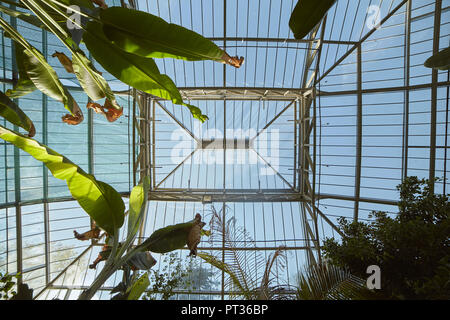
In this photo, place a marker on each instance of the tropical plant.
(106, 208)
(329, 282)
(412, 249)
(7, 286)
(242, 272)
(115, 38)
(125, 256)
(98, 199)
(173, 275)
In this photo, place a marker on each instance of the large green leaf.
(138, 206)
(138, 287)
(150, 36)
(169, 238)
(11, 112)
(138, 72)
(306, 15)
(46, 80)
(440, 60)
(24, 85)
(92, 82)
(98, 199)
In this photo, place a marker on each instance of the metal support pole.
(407, 51)
(358, 135)
(434, 79)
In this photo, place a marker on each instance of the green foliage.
(98, 199)
(139, 72)
(138, 206)
(178, 274)
(329, 282)
(412, 249)
(306, 15)
(171, 276)
(146, 35)
(241, 272)
(7, 286)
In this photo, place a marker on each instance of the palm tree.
(242, 272)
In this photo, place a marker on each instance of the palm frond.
(241, 269)
(329, 282)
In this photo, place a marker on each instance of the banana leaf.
(138, 206)
(11, 112)
(138, 287)
(169, 238)
(40, 72)
(92, 82)
(90, 79)
(306, 15)
(98, 199)
(146, 35)
(440, 60)
(24, 85)
(139, 72)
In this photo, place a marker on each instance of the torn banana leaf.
(102, 202)
(91, 80)
(194, 235)
(11, 112)
(112, 114)
(440, 60)
(306, 15)
(146, 35)
(64, 60)
(94, 233)
(138, 72)
(171, 237)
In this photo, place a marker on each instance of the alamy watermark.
(74, 21)
(374, 280)
(373, 17)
